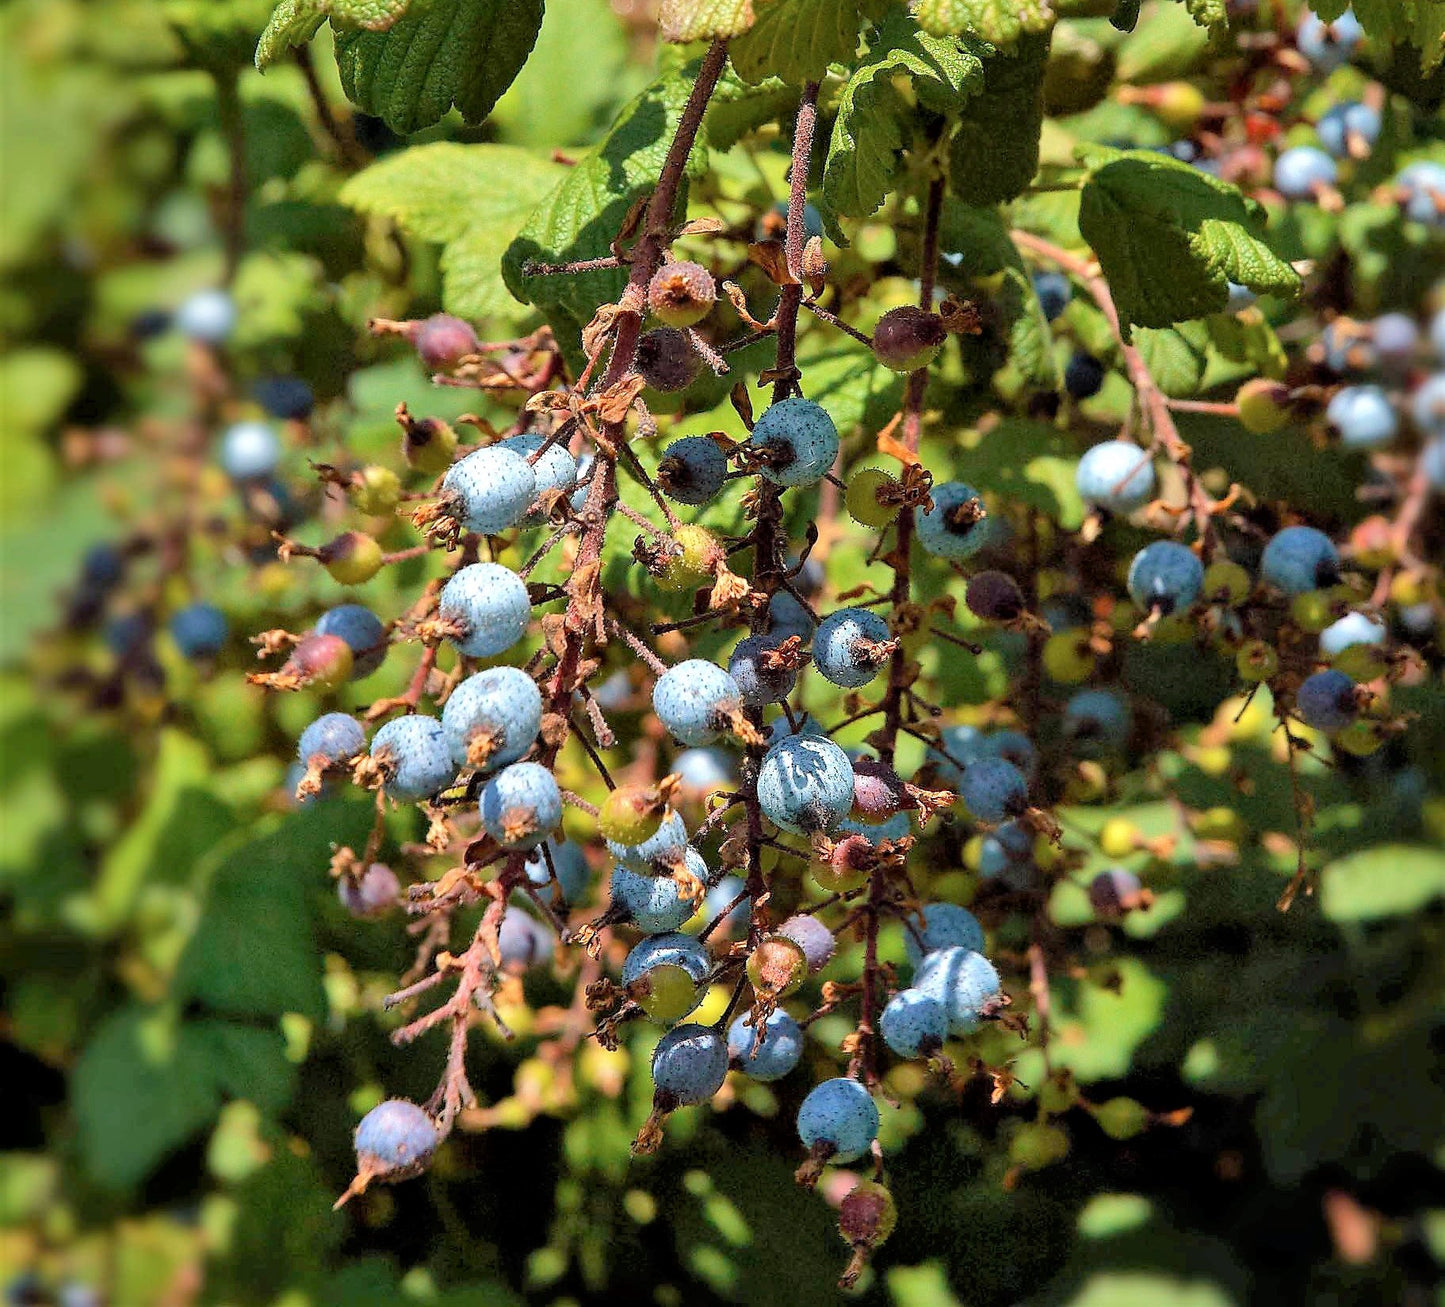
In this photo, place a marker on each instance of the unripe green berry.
(1263, 406)
(376, 491)
(631, 814)
(777, 966)
(672, 993)
(1225, 582)
(861, 499)
(352, 558)
(429, 445)
(1256, 661)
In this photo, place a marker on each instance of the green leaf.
(1176, 356)
(995, 152)
(868, 133)
(470, 199)
(796, 40)
(452, 52)
(703, 20)
(584, 212)
(295, 22)
(1385, 881)
(253, 952)
(738, 108)
(1170, 239)
(1420, 23)
(999, 22)
(145, 1085)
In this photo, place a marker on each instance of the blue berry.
(1014, 747)
(797, 442)
(1165, 577)
(656, 904)
(767, 1055)
(959, 746)
(758, 683)
(1298, 559)
(847, 646)
(1396, 338)
(334, 737)
(895, 828)
(1006, 849)
(103, 567)
(1097, 719)
(1328, 45)
(1084, 375)
(992, 789)
(523, 941)
(521, 805)
(555, 470)
(1351, 629)
(1301, 170)
(491, 604)
(1363, 416)
(395, 1140)
(200, 630)
(812, 221)
(1116, 475)
(1054, 291)
(805, 784)
(842, 1115)
(249, 451)
(786, 616)
(955, 526)
(492, 489)
(1427, 405)
(965, 982)
(577, 500)
(208, 316)
(1326, 701)
(689, 1065)
(781, 728)
(492, 718)
(913, 1024)
(362, 630)
(415, 758)
(658, 956)
(286, 398)
(657, 853)
(692, 470)
(704, 770)
(940, 925)
(1349, 130)
(570, 864)
(695, 701)
(128, 633)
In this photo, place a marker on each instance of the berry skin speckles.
(394, 1141)
(942, 925)
(521, 805)
(965, 982)
(805, 784)
(795, 442)
(1299, 559)
(656, 904)
(492, 718)
(1116, 475)
(955, 526)
(667, 360)
(851, 645)
(491, 488)
(414, 758)
(332, 738)
(769, 1054)
(840, 1119)
(914, 1024)
(364, 633)
(553, 468)
(666, 974)
(689, 1065)
(1165, 577)
(692, 470)
(695, 701)
(760, 681)
(490, 605)
(992, 789)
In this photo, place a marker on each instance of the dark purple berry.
(995, 597)
(666, 359)
(443, 341)
(1084, 376)
(908, 338)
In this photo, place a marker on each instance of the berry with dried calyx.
(442, 341)
(908, 338)
(667, 360)
(681, 294)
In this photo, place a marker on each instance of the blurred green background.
(190, 1032)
